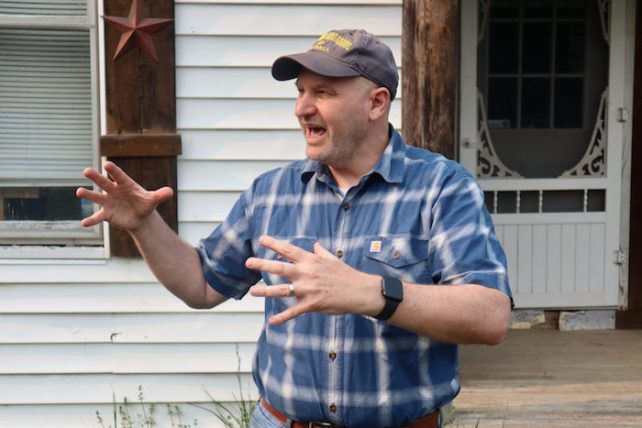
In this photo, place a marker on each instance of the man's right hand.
(123, 202)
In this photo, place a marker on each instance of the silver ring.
(291, 288)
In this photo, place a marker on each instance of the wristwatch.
(392, 290)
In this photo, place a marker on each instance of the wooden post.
(430, 73)
(632, 316)
(141, 113)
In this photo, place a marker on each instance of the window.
(48, 120)
(542, 71)
(536, 61)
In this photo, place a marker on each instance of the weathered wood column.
(430, 74)
(632, 316)
(141, 109)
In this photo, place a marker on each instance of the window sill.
(55, 254)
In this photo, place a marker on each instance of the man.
(377, 257)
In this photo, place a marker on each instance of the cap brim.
(290, 66)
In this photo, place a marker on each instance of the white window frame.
(62, 239)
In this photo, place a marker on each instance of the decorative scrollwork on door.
(489, 165)
(593, 163)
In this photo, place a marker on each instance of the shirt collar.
(389, 166)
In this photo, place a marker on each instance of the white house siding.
(75, 335)
(235, 120)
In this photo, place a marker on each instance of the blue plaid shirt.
(418, 217)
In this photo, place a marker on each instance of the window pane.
(45, 203)
(507, 202)
(503, 47)
(538, 9)
(569, 56)
(535, 103)
(529, 202)
(502, 102)
(40, 7)
(596, 200)
(46, 124)
(537, 43)
(504, 9)
(563, 201)
(572, 9)
(568, 102)
(489, 199)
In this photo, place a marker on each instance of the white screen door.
(541, 84)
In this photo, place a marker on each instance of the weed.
(140, 415)
(229, 417)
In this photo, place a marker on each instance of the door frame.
(618, 133)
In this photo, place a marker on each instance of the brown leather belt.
(428, 421)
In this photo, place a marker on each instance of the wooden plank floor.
(548, 378)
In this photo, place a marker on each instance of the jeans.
(261, 418)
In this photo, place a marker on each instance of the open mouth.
(315, 131)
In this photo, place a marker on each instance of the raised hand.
(320, 282)
(123, 202)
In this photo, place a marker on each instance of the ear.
(379, 103)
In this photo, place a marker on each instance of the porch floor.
(548, 378)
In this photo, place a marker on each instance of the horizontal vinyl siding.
(130, 328)
(236, 121)
(290, 19)
(103, 298)
(122, 358)
(76, 335)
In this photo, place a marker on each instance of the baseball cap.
(343, 53)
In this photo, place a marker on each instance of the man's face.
(333, 114)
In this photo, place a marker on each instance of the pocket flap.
(397, 251)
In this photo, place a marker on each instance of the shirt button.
(339, 253)
(345, 207)
(333, 408)
(332, 355)
(396, 255)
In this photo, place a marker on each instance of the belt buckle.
(319, 424)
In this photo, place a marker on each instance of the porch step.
(551, 378)
(590, 319)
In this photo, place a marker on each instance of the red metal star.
(136, 30)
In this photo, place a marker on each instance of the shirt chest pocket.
(403, 257)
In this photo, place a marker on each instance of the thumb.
(163, 194)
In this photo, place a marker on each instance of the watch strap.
(392, 290)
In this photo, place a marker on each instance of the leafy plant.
(230, 417)
(140, 415)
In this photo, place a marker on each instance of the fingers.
(280, 291)
(288, 314)
(94, 219)
(275, 291)
(117, 174)
(100, 180)
(90, 195)
(283, 248)
(283, 269)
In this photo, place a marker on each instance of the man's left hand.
(321, 282)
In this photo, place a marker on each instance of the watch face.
(392, 288)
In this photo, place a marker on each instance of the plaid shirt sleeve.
(464, 247)
(224, 251)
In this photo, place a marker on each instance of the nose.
(304, 106)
